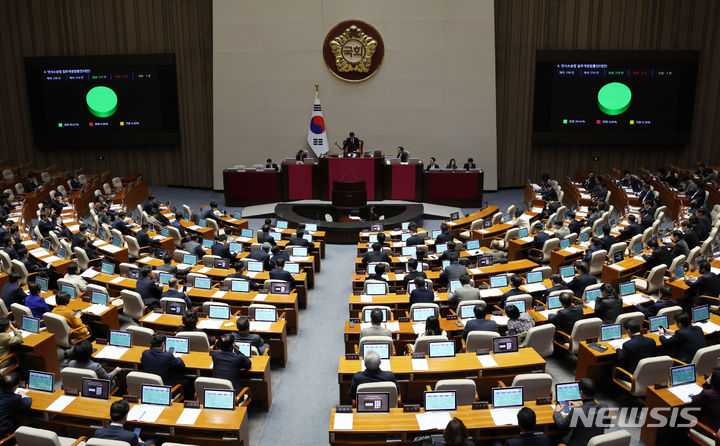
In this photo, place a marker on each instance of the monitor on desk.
(43, 282)
(441, 248)
(507, 397)
(534, 277)
(99, 298)
(300, 251)
(219, 312)
(368, 311)
(584, 237)
(404, 236)
(239, 286)
(221, 263)
(162, 253)
(376, 228)
(409, 250)
(41, 381)
(472, 245)
(69, 289)
(445, 264)
(627, 288)
(101, 234)
(421, 314)
(310, 227)
(405, 225)
(454, 285)
(506, 218)
(95, 388)
(487, 224)
(207, 243)
(107, 268)
(500, 281)
(618, 256)
(519, 304)
(485, 261)
(684, 374)
(47, 243)
(255, 267)
(376, 289)
(265, 315)
(159, 395)
(567, 271)
(565, 243)
(372, 238)
(246, 233)
(165, 232)
(679, 272)
(659, 321)
(592, 295)
(505, 344)
(638, 249)
(61, 252)
(202, 223)
(612, 222)
(244, 347)
(30, 324)
(454, 216)
(219, 399)
(610, 332)
(523, 232)
(202, 283)
(440, 400)
(175, 308)
(189, 259)
(164, 278)
(435, 233)
(133, 273)
(553, 302)
(235, 247)
(120, 339)
(177, 345)
(280, 287)
(382, 349)
(441, 349)
(292, 267)
(599, 230)
(467, 311)
(117, 241)
(281, 224)
(375, 402)
(567, 392)
(701, 313)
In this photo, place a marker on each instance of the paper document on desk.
(219, 294)
(111, 352)
(714, 270)
(74, 228)
(50, 259)
(546, 313)
(617, 267)
(188, 417)
(591, 304)
(60, 404)
(365, 325)
(21, 392)
(420, 364)
(491, 292)
(365, 298)
(686, 391)
(487, 360)
(204, 269)
(147, 413)
(112, 248)
(618, 343)
(504, 417)
(243, 239)
(527, 239)
(117, 279)
(38, 252)
(260, 297)
(708, 327)
(51, 300)
(536, 210)
(260, 326)
(500, 320)
(152, 317)
(393, 326)
(299, 258)
(89, 273)
(343, 421)
(433, 420)
(402, 259)
(419, 327)
(634, 299)
(251, 274)
(534, 287)
(212, 324)
(399, 276)
(573, 250)
(25, 334)
(182, 266)
(157, 237)
(475, 271)
(28, 242)
(194, 227)
(96, 309)
(232, 220)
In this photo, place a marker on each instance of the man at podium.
(352, 145)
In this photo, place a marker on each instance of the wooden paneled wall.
(523, 26)
(95, 27)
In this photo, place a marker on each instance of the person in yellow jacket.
(74, 322)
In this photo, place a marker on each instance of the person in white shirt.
(77, 280)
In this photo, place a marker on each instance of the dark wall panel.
(91, 27)
(523, 26)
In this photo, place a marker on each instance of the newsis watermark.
(608, 417)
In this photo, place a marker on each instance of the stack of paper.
(419, 327)
(573, 250)
(527, 239)
(146, 413)
(183, 266)
(708, 327)
(500, 320)
(204, 269)
(194, 227)
(89, 273)
(504, 417)
(491, 292)
(366, 298)
(51, 300)
(475, 271)
(96, 309)
(38, 252)
(299, 258)
(618, 343)
(260, 326)
(60, 404)
(399, 276)
(50, 259)
(188, 416)
(617, 267)
(260, 297)
(25, 334)
(112, 248)
(534, 287)
(343, 421)
(546, 313)
(212, 324)
(686, 391)
(420, 364)
(487, 360)
(251, 274)
(243, 239)
(634, 299)
(219, 294)
(111, 352)
(432, 420)
(393, 326)
(152, 317)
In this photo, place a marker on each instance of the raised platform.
(344, 228)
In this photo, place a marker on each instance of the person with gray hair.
(262, 255)
(371, 374)
(375, 328)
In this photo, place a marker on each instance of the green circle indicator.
(101, 101)
(614, 98)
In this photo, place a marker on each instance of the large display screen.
(103, 100)
(616, 97)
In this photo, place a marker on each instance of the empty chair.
(706, 359)
(654, 281)
(692, 257)
(615, 247)
(164, 301)
(475, 225)
(206, 305)
(632, 316)
(648, 372)
(436, 307)
(615, 438)
(134, 307)
(19, 310)
(74, 285)
(670, 312)
(544, 254)
(5, 262)
(583, 329)
(135, 381)
(125, 268)
(30, 436)
(107, 190)
(202, 383)
(140, 335)
(465, 390)
(541, 338)
(198, 340)
(64, 336)
(421, 344)
(375, 340)
(677, 261)
(253, 307)
(480, 340)
(597, 260)
(72, 377)
(82, 258)
(535, 385)
(209, 259)
(381, 387)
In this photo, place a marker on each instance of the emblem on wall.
(353, 50)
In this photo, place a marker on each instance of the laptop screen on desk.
(592, 295)
(281, 224)
(421, 314)
(95, 388)
(61, 252)
(202, 223)
(519, 304)
(658, 321)
(440, 401)
(43, 282)
(176, 308)
(680, 272)
(534, 277)
(507, 397)
(627, 288)
(155, 395)
(683, 374)
(404, 236)
(522, 233)
(409, 250)
(41, 381)
(247, 233)
(473, 244)
(567, 271)
(244, 347)
(218, 312)
(300, 251)
(610, 332)
(69, 289)
(441, 349)
(117, 241)
(189, 259)
(240, 286)
(207, 243)
(454, 285)
(376, 402)
(441, 248)
(99, 298)
(255, 267)
(599, 230)
(505, 344)
(368, 311)
(467, 311)
(584, 236)
(30, 324)
(120, 339)
(382, 349)
(564, 243)
(638, 248)
(177, 345)
(701, 313)
(265, 314)
(376, 289)
(165, 232)
(372, 238)
(445, 263)
(235, 247)
(107, 268)
(279, 288)
(292, 268)
(164, 278)
(485, 261)
(567, 392)
(553, 302)
(498, 281)
(221, 263)
(618, 256)
(219, 399)
(202, 283)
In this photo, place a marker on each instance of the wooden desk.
(487, 235)
(562, 257)
(307, 265)
(259, 381)
(518, 248)
(276, 336)
(661, 398)
(39, 352)
(206, 232)
(630, 267)
(84, 415)
(465, 365)
(463, 223)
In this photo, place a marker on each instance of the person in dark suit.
(265, 236)
(90, 251)
(452, 271)
(9, 248)
(46, 224)
(451, 164)
(608, 306)
(698, 198)
(402, 155)
(31, 183)
(280, 274)
(580, 434)
(120, 225)
(75, 239)
(278, 253)
(177, 225)
(31, 266)
(634, 228)
(209, 211)
(194, 246)
(691, 237)
(527, 421)
(381, 237)
(607, 239)
(539, 240)
(451, 249)
(220, 248)
(150, 204)
(270, 165)
(261, 255)
(421, 294)
(301, 155)
(515, 283)
(708, 400)
(11, 404)
(646, 220)
(351, 144)
(455, 434)
(630, 181)
(243, 334)
(230, 364)
(432, 164)
(240, 275)
(558, 284)
(645, 193)
(664, 301)
(595, 245)
(564, 320)
(661, 255)
(708, 284)
(371, 374)
(582, 280)
(470, 164)
(445, 235)
(147, 288)
(116, 429)
(590, 182)
(687, 339)
(56, 203)
(164, 364)
(548, 193)
(574, 225)
(479, 323)
(167, 266)
(298, 240)
(701, 226)
(143, 238)
(637, 348)
(412, 272)
(375, 255)
(174, 292)
(12, 293)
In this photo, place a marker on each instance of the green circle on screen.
(614, 98)
(101, 101)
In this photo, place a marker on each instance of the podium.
(349, 194)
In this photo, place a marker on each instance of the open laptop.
(99, 298)
(507, 397)
(373, 402)
(454, 216)
(440, 400)
(161, 253)
(239, 286)
(435, 234)
(372, 238)
(244, 347)
(684, 374)
(421, 314)
(255, 267)
(454, 285)
(637, 249)
(133, 273)
(441, 248)
(207, 243)
(564, 243)
(159, 395)
(473, 245)
(219, 399)
(382, 349)
(189, 259)
(522, 233)
(117, 241)
(29, 325)
(498, 281)
(658, 321)
(567, 272)
(265, 314)
(484, 261)
(610, 332)
(506, 218)
(700, 314)
(376, 289)
(202, 283)
(467, 311)
(246, 233)
(41, 381)
(591, 296)
(281, 224)
(61, 252)
(221, 263)
(95, 388)
(235, 247)
(107, 268)
(569, 391)
(519, 304)
(164, 278)
(177, 345)
(202, 223)
(409, 251)
(679, 272)
(219, 312)
(299, 251)
(553, 302)
(584, 237)
(69, 289)
(618, 256)
(441, 349)
(279, 288)
(175, 308)
(292, 267)
(534, 282)
(505, 344)
(310, 227)
(43, 282)
(445, 264)
(120, 339)
(627, 288)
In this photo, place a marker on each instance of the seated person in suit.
(376, 254)
(637, 348)
(371, 374)
(561, 231)
(243, 334)
(280, 274)
(264, 236)
(445, 235)
(632, 229)
(574, 225)
(412, 272)
(646, 220)
(30, 266)
(12, 292)
(301, 155)
(376, 328)
(708, 400)
(432, 164)
(149, 291)
(661, 255)
(518, 323)
(515, 283)
(229, 363)
(57, 203)
(564, 320)
(9, 248)
(82, 359)
(581, 433)
(261, 255)
(402, 155)
(190, 320)
(686, 340)
(90, 251)
(607, 239)
(465, 292)
(421, 294)
(164, 364)
(414, 239)
(381, 238)
(680, 246)
(432, 328)
(174, 292)
(116, 429)
(37, 304)
(177, 225)
(102, 214)
(470, 164)
(298, 240)
(120, 224)
(548, 193)
(608, 306)
(167, 265)
(46, 224)
(496, 250)
(527, 421)
(480, 323)
(73, 321)
(8, 339)
(539, 240)
(11, 404)
(708, 284)
(582, 280)
(451, 164)
(82, 232)
(220, 248)
(664, 301)
(209, 211)
(278, 253)
(239, 275)
(558, 284)
(352, 144)
(143, 238)
(150, 204)
(452, 271)
(451, 248)
(270, 165)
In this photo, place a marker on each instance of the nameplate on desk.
(343, 408)
(355, 320)
(71, 392)
(132, 399)
(191, 404)
(541, 401)
(482, 352)
(411, 408)
(404, 319)
(352, 356)
(100, 341)
(418, 356)
(452, 317)
(478, 405)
